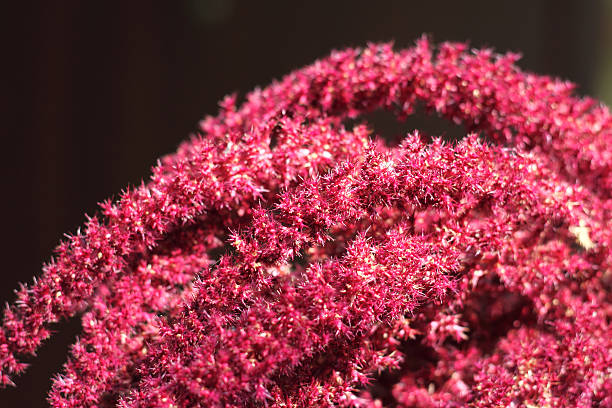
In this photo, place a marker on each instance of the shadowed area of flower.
(283, 258)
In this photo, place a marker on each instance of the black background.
(92, 92)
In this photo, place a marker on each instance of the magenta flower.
(281, 259)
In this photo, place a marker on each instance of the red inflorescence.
(282, 259)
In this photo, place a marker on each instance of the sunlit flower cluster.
(283, 257)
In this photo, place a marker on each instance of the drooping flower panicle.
(280, 259)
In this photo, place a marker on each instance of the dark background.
(93, 92)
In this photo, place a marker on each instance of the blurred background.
(93, 92)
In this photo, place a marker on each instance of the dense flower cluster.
(281, 259)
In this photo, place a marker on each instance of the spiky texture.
(280, 259)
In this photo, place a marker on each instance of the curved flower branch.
(278, 258)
